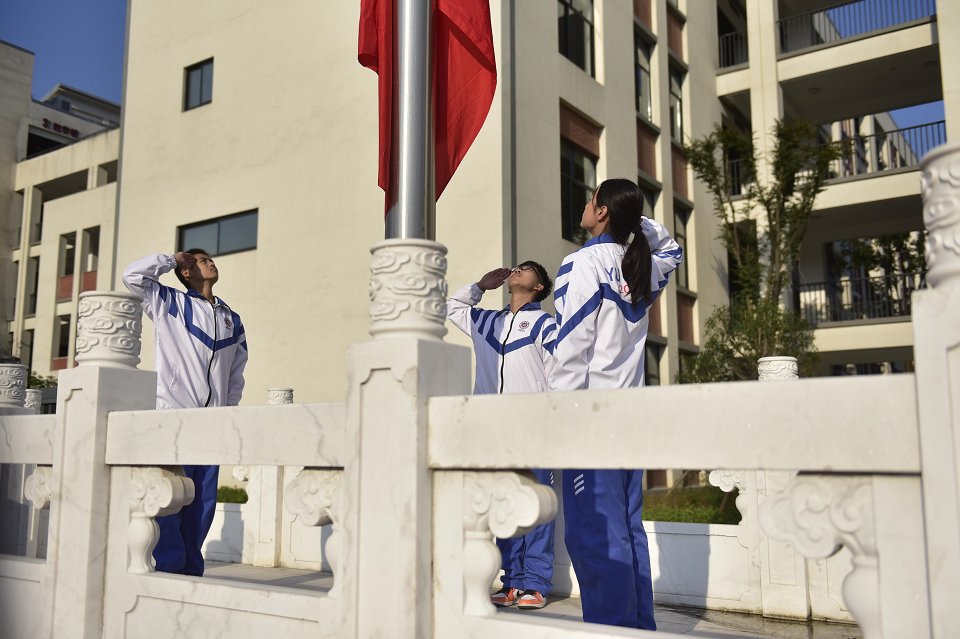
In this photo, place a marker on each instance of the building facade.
(250, 129)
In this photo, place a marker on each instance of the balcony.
(867, 156)
(888, 150)
(848, 20)
(733, 49)
(865, 299)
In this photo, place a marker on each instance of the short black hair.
(543, 277)
(193, 251)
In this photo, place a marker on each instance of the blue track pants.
(182, 534)
(608, 546)
(527, 561)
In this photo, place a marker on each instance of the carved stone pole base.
(388, 507)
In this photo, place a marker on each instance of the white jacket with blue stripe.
(512, 350)
(201, 347)
(601, 335)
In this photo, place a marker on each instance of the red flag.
(464, 79)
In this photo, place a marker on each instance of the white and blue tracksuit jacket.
(513, 351)
(600, 334)
(201, 348)
(600, 344)
(201, 354)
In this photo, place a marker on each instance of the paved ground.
(689, 621)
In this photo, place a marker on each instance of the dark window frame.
(651, 348)
(676, 104)
(681, 218)
(217, 221)
(573, 189)
(201, 68)
(644, 111)
(567, 20)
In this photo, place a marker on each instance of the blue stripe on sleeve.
(565, 268)
(585, 311)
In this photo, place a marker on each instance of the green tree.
(762, 225)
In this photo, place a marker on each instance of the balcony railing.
(849, 20)
(888, 150)
(859, 299)
(733, 49)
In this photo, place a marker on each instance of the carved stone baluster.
(13, 385)
(153, 492)
(38, 487)
(727, 480)
(315, 497)
(819, 514)
(501, 504)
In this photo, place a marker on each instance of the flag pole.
(413, 215)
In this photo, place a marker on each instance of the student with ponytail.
(603, 292)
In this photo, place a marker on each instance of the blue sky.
(75, 42)
(80, 43)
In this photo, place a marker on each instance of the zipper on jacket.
(503, 348)
(213, 354)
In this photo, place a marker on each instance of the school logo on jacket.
(228, 323)
(524, 325)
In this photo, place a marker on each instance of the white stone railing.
(426, 479)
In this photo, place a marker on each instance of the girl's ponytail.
(624, 203)
(637, 266)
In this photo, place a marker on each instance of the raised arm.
(142, 278)
(460, 305)
(665, 253)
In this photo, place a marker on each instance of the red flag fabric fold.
(464, 76)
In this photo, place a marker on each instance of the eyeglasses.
(525, 268)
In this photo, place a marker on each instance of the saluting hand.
(494, 279)
(185, 260)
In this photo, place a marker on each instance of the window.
(676, 105)
(651, 364)
(36, 229)
(680, 219)
(575, 19)
(33, 281)
(63, 336)
(198, 85)
(578, 179)
(92, 236)
(26, 349)
(221, 236)
(643, 90)
(650, 197)
(68, 253)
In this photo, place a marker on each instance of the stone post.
(108, 348)
(936, 331)
(386, 487)
(261, 532)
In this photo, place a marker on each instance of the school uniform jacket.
(201, 347)
(513, 351)
(600, 334)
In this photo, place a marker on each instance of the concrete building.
(250, 129)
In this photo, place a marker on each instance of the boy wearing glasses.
(513, 348)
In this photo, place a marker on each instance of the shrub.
(698, 505)
(231, 495)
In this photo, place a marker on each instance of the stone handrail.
(312, 435)
(727, 425)
(27, 438)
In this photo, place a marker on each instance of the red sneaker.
(531, 600)
(505, 597)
